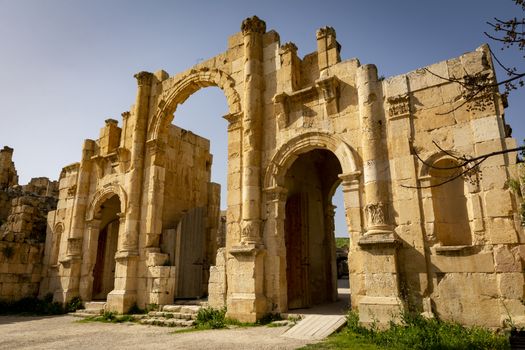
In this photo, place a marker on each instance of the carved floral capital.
(325, 31)
(144, 78)
(253, 25)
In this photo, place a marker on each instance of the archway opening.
(311, 257)
(104, 269)
(450, 204)
(195, 190)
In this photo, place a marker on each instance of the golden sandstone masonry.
(138, 219)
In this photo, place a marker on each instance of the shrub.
(32, 306)
(210, 318)
(74, 305)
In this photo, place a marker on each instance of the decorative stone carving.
(144, 78)
(399, 106)
(282, 109)
(71, 191)
(288, 47)
(325, 31)
(329, 91)
(74, 247)
(250, 232)
(376, 214)
(253, 25)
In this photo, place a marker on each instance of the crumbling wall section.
(23, 225)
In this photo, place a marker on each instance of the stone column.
(377, 249)
(74, 246)
(252, 29)
(129, 244)
(246, 300)
(375, 161)
(125, 293)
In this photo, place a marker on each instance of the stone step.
(167, 322)
(197, 302)
(95, 304)
(174, 315)
(185, 309)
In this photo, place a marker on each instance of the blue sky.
(67, 65)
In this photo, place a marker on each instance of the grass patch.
(109, 317)
(210, 318)
(33, 306)
(413, 332)
(341, 242)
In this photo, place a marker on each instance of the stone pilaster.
(89, 257)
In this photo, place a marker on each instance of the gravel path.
(63, 332)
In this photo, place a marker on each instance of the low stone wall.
(20, 269)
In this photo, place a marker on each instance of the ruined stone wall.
(22, 230)
(188, 172)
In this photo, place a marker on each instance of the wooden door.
(296, 253)
(189, 254)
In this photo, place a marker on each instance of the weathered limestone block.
(511, 285)
(505, 260)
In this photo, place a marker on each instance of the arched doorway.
(106, 248)
(311, 272)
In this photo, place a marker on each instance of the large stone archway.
(283, 108)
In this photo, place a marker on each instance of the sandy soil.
(63, 332)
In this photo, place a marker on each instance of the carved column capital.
(250, 232)
(324, 32)
(253, 25)
(288, 47)
(376, 214)
(144, 78)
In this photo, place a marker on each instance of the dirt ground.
(64, 332)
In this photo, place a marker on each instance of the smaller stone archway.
(300, 182)
(447, 212)
(103, 238)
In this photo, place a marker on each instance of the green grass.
(413, 332)
(109, 317)
(340, 242)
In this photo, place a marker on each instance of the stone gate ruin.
(137, 219)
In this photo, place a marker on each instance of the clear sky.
(67, 65)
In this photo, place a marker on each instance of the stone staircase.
(172, 316)
(181, 314)
(91, 308)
